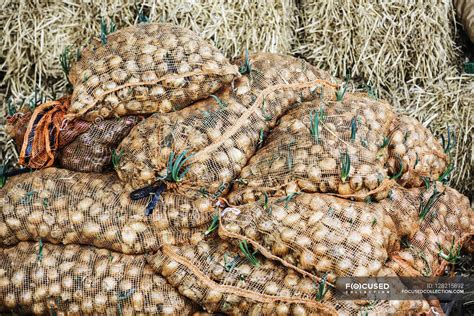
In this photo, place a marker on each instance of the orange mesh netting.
(45, 133)
(146, 68)
(62, 206)
(41, 138)
(219, 277)
(446, 222)
(49, 279)
(308, 149)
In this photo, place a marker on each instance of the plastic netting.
(146, 68)
(49, 279)
(219, 142)
(219, 277)
(92, 150)
(38, 134)
(316, 233)
(414, 148)
(446, 222)
(322, 146)
(17, 124)
(62, 206)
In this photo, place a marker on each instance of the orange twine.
(41, 139)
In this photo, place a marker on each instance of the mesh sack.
(62, 206)
(313, 144)
(16, 126)
(220, 141)
(414, 153)
(465, 11)
(220, 278)
(92, 150)
(46, 279)
(146, 68)
(316, 233)
(446, 222)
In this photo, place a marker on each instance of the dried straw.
(407, 50)
(385, 43)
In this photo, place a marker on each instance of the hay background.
(411, 51)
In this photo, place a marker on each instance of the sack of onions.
(315, 233)
(415, 154)
(94, 150)
(62, 206)
(322, 146)
(41, 278)
(206, 151)
(446, 222)
(223, 278)
(146, 68)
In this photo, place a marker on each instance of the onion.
(279, 249)
(10, 300)
(328, 164)
(291, 219)
(354, 237)
(91, 230)
(271, 288)
(399, 150)
(169, 268)
(236, 155)
(221, 158)
(40, 293)
(282, 310)
(288, 235)
(109, 284)
(18, 278)
(324, 265)
(100, 302)
(344, 266)
(355, 182)
(137, 301)
(374, 267)
(344, 189)
(213, 296)
(26, 298)
(77, 217)
(361, 271)
(307, 260)
(298, 310)
(128, 235)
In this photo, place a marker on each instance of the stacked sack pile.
(173, 181)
